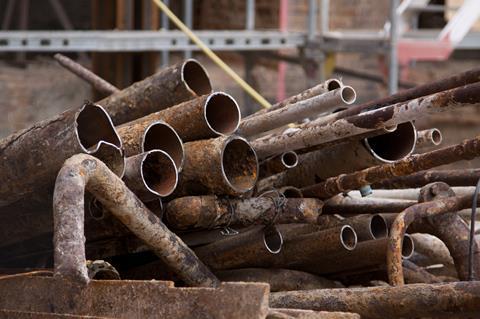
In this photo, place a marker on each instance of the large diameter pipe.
(467, 150)
(31, 158)
(211, 211)
(157, 135)
(417, 300)
(151, 175)
(369, 121)
(211, 115)
(224, 166)
(326, 102)
(84, 172)
(173, 85)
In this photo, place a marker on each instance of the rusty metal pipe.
(31, 158)
(178, 83)
(430, 137)
(283, 313)
(328, 85)
(211, 211)
(467, 150)
(278, 164)
(290, 192)
(85, 74)
(453, 177)
(150, 175)
(415, 274)
(84, 172)
(369, 121)
(417, 300)
(341, 204)
(295, 112)
(211, 115)
(223, 166)
(367, 227)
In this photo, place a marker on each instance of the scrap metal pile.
(328, 202)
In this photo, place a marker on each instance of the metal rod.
(84, 172)
(341, 204)
(188, 18)
(370, 121)
(7, 18)
(393, 66)
(250, 15)
(165, 27)
(312, 19)
(417, 300)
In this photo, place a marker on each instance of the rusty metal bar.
(210, 115)
(211, 211)
(453, 177)
(223, 166)
(278, 164)
(31, 158)
(84, 172)
(417, 300)
(367, 227)
(278, 279)
(171, 86)
(369, 121)
(430, 137)
(467, 150)
(326, 102)
(151, 175)
(85, 74)
(341, 204)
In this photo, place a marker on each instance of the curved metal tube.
(83, 172)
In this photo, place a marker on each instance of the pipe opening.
(348, 94)
(348, 237)
(408, 247)
(273, 240)
(290, 159)
(291, 192)
(393, 146)
(159, 173)
(196, 77)
(333, 84)
(436, 137)
(112, 156)
(96, 209)
(161, 136)
(222, 113)
(94, 125)
(378, 227)
(239, 164)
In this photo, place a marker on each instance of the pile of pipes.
(332, 204)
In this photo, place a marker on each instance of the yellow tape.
(251, 91)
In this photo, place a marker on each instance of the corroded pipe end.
(273, 239)
(196, 77)
(333, 84)
(112, 156)
(348, 237)
(159, 173)
(161, 136)
(289, 159)
(291, 192)
(408, 247)
(239, 164)
(348, 94)
(378, 227)
(222, 113)
(393, 146)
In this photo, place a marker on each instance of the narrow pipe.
(467, 150)
(417, 300)
(283, 313)
(278, 164)
(209, 212)
(157, 135)
(178, 83)
(416, 275)
(367, 227)
(223, 166)
(370, 121)
(211, 115)
(430, 137)
(454, 177)
(85, 74)
(84, 172)
(295, 112)
(341, 204)
(150, 175)
(413, 193)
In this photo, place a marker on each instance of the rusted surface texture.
(222, 166)
(134, 299)
(32, 157)
(84, 172)
(432, 248)
(341, 204)
(85, 74)
(283, 313)
(455, 177)
(11, 314)
(457, 240)
(278, 164)
(429, 138)
(157, 92)
(279, 279)
(248, 249)
(467, 150)
(358, 124)
(417, 300)
(414, 274)
(367, 227)
(211, 211)
(325, 102)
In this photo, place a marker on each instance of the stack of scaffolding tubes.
(335, 205)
